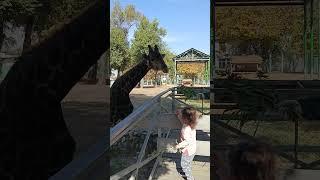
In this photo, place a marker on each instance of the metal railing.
(130, 122)
(87, 163)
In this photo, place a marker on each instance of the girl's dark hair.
(189, 114)
(252, 161)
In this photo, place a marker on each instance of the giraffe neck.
(132, 77)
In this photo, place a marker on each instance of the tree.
(16, 12)
(169, 62)
(147, 33)
(259, 29)
(191, 70)
(37, 16)
(122, 20)
(119, 49)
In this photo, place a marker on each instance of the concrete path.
(168, 170)
(170, 166)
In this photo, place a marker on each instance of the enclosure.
(249, 108)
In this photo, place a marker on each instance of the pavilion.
(190, 56)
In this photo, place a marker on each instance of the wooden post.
(296, 125)
(175, 73)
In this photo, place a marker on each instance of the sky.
(187, 22)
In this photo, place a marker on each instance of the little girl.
(187, 144)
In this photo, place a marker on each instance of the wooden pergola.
(191, 56)
(311, 29)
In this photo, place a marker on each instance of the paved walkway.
(170, 166)
(167, 170)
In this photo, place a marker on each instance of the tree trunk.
(28, 33)
(31, 117)
(282, 61)
(270, 62)
(2, 36)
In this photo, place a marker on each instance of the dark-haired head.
(252, 161)
(189, 116)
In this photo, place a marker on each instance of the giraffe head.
(155, 59)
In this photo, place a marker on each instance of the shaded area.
(86, 121)
(35, 139)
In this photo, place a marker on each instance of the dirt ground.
(140, 95)
(85, 113)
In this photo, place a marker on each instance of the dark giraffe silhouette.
(35, 142)
(121, 105)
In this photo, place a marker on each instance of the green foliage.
(122, 19)
(261, 28)
(169, 62)
(119, 49)
(147, 33)
(13, 9)
(187, 91)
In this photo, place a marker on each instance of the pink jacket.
(188, 140)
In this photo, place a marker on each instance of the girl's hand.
(178, 112)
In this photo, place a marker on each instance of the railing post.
(202, 97)
(173, 93)
(296, 143)
(152, 122)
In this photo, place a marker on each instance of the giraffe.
(121, 105)
(34, 138)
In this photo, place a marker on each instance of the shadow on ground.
(85, 113)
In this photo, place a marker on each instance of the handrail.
(77, 167)
(128, 124)
(130, 121)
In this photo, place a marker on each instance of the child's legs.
(186, 162)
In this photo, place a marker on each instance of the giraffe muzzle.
(165, 70)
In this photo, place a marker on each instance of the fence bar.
(129, 122)
(143, 148)
(133, 167)
(158, 159)
(173, 98)
(296, 143)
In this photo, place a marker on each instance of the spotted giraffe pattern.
(35, 141)
(121, 105)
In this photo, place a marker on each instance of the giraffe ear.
(156, 48)
(150, 48)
